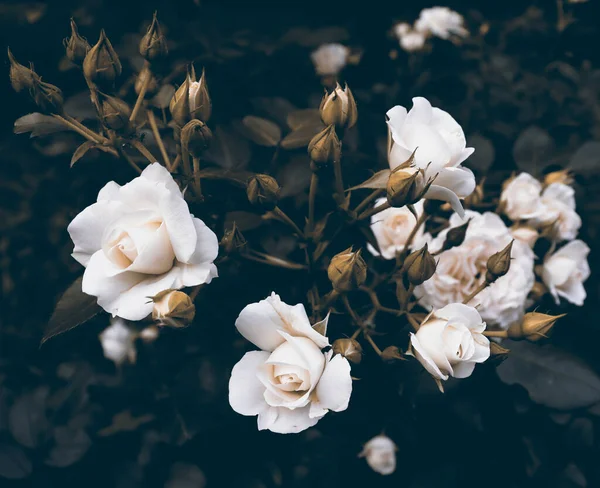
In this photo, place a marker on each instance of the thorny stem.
(272, 261)
(333, 296)
(312, 195)
(377, 306)
(197, 184)
(422, 219)
(185, 157)
(480, 288)
(373, 211)
(140, 98)
(372, 196)
(158, 138)
(94, 96)
(89, 131)
(356, 334)
(283, 216)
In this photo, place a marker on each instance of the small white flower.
(440, 149)
(565, 271)
(139, 240)
(330, 59)
(392, 227)
(118, 342)
(380, 453)
(401, 29)
(450, 342)
(413, 41)
(441, 22)
(521, 198)
(290, 383)
(559, 203)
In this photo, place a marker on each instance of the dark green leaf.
(301, 136)
(262, 131)
(14, 463)
(38, 124)
(81, 150)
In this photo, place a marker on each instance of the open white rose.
(380, 453)
(441, 148)
(565, 271)
(330, 59)
(450, 342)
(118, 342)
(559, 202)
(521, 198)
(392, 227)
(462, 269)
(441, 22)
(138, 240)
(291, 383)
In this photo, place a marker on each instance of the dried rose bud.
(115, 113)
(76, 46)
(533, 327)
(180, 103)
(405, 187)
(391, 354)
(154, 45)
(21, 77)
(195, 137)
(102, 65)
(233, 240)
(173, 308)
(498, 264)
(349, 348)
(263, 191)
(338, 108)
(347, 270)
(200, 103)
(456, 236)
(47, 97)
(497, 350)
(325, 147)
(419, 266)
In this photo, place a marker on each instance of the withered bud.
(325, 147)
(339, 108)
(180, 103)
(498, 263)
(21, 77)
(405, 186)
(563, 176)
(533, 327)
(347, 270)
(200, 104)
(233, 240)
(115, 113)
(349, 348)
(195, 137)
(48, 98)
(391, 354)
(263, 191)
(76, 46)
(419, 266)
(140, 80)
(497, 350)
(456, 236)
(102, 65)
(173, 308)
(154, 45)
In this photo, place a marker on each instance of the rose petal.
(420, 113)
(207, 244)
(461, 181)
(245, 389)
(574, 291)
(197, 274)
(285, 421)
(436, 192)
(423, 357)
(469, 315)
(463, 369)
(335, 386)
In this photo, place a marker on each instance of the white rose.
(441, 22)
(559, 203)
(462, 269)
(291, 383)
(392, 227)
(525, 234)
(330, 59)
(441, 148)
(521, 198)
(138, 240)
(380, 453)
(412, 41)
(118, 342)
(450, 342)
(565, 271)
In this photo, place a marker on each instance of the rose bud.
(154, 45)
(405, 186)
(455, 236)
(196, 137)
(152, 84)
(533, 327)
(173, 308)
(563, 176)
(200, 103)
(349, 348)
(21, 77)
(115, 113)
(47, 97)
(339, 108)
(391, 354)
(380, 453)
(497, 350)
(347, 270)
(180, 103)
(263, 191)
(76, 46)
(233, 241)
(102, 65)
(498, 264)
(325, 147)
(419, 266)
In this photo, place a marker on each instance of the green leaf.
(38, 124)
(262, 131)
(81, 150)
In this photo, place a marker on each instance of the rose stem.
(143, 150)
(356, 333)
(281, 263)
(80, 129)
(374, 194)
(197, 184)
(472, 295)
(283, 216)
(372, 342)
(141, 95)
(339, 182)
(176, 163)
(312, 195)
(158, 138)
(375, 210)
(495, 333)
(131, 162)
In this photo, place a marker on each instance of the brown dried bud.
(140, 80)
(563, 176)
(498, 264)
(173, 308)
(47, 97)
(347, 270)
(339, 108)
(419, 266)
(533, 327)
(21, 77)
(115, 113)
(263, 191)
(233, 240)
(349, 348)
(405, 186)
(195, 137)
(455, 236)
(325, 147)
(391, 354)
(76, 46)
(180, 103)
(497, 350)
(102, 65)
(154, 45)
(200, 104)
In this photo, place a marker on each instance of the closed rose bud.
(263, 191)
(115, 113)
(391, 354)
(563, 176)
(180, 103)
(233, 241)
(173, 309)
(76, 46)
(102, 65)
(533, 327)
(497, 350)
(498, 264)
(419, 266)
(349, 348)
(405, 187)
(154, 45)
(325, 147)
(152, 84)
(347, 270)
(380, 453)
(195, 137)
(200, 103)
(456, 236)
(21, 77)
(47, 97)
(338, 108)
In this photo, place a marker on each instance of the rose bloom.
(559, 203)
(380, 453)
(450, 342)
(565, 271)
(290, 383)
(462, 269)
(441, 22)
(524, 233)
(330, 59)
(392, 227)
(521, 198)
(440, 149)
(139, 240)
(118, 342)
(412, 41)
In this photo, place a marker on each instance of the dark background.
(482, 432)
